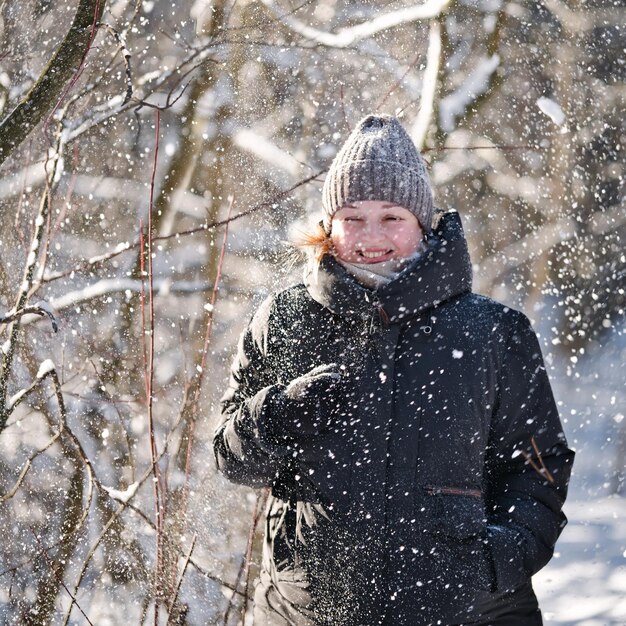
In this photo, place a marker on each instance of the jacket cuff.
(505, 550)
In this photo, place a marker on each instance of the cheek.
(407, 239)
(344, 242)
(338, 238)
(342, 236)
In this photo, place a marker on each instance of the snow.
(552, 109)
(122, 495)
(12, 401)
(585, 583)
(45, 368)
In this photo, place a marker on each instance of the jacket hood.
(443, 272)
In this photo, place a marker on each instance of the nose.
(372, 232)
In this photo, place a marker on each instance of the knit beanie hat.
(379, 161)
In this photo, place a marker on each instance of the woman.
(405, 425)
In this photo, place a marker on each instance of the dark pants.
(513, 608)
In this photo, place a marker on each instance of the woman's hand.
(306, 405)
(314, 383)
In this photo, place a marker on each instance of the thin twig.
(503, 148)
(244, 567)
(170, 101)
(261, 500)
(31, 310)
(344, 115)
(126, 246)
(18, 483)
(21, 196)
(149, 375)
(59, 579)
(67, 432)
(544, 469)
(211, 308)
(381, 102)
(120, 38)
(180, 578)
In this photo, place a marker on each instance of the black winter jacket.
(418, 504)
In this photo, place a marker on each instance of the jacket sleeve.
(528, 463)
(244, 450)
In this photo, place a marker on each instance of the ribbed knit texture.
(379, 161)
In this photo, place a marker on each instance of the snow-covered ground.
(585, 584)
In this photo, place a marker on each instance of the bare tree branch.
(27, 281)
(58, 578)
(179, 583)
(40, 309)
(44, 94)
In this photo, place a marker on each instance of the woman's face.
(373, 231)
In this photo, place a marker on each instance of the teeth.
(372, 255)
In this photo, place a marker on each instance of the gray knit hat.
(379, 161)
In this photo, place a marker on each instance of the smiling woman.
(405, 425)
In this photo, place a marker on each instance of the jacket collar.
(441, 273)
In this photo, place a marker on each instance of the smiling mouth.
(373, 255)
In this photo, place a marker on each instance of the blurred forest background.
(132, 132)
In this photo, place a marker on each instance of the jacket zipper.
(454, 491)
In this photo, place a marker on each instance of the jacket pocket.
(454, 526)
(454, 511)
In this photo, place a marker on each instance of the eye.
(392, 218)
(352, 218)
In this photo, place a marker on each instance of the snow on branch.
(45, 369)
(123, 496)
(429, 86)
(113, 285)
(475, 85)
(26, 285)
(552, 109)
(348, 36)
